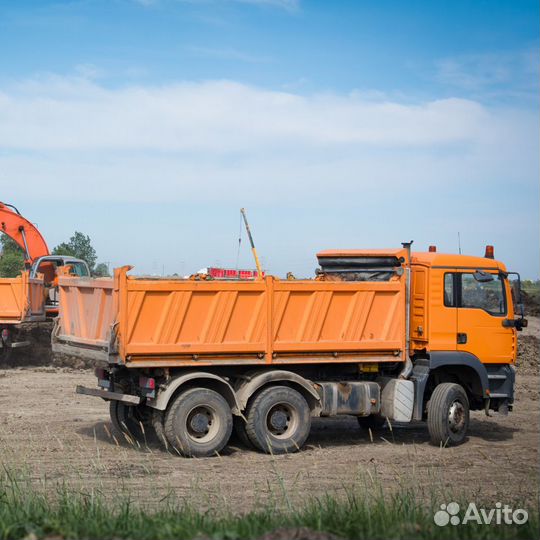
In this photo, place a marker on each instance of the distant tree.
(101, 270)
(12, 257)
(79, 246)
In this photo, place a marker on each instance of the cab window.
(78, 269)
(486, 295)
(449, 297)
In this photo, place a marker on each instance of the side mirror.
(517, 296)
(483, 277)
(521, 324)
(518, 324)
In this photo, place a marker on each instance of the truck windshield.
(488, 296)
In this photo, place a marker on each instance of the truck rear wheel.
(278, 420)
(132, 420)
(159, 430)
(448, 414)
(198, 423)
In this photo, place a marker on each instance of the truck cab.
(464, 327)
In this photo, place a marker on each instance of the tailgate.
(22, 299)
(87, 313)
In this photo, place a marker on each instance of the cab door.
(483, 307)
(442, 326)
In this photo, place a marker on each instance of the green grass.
(30, 512)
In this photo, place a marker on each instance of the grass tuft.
(364, 512)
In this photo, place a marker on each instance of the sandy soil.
(57, 435)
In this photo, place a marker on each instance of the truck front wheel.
(198, 423)
(448, 414)
(278, 420)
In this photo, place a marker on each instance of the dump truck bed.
(22, 299)
(146, 322)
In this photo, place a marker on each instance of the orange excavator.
(31, 296)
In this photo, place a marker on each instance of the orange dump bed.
(177, 322)
(21, 299)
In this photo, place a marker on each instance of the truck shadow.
(325, 433)
(345, 431)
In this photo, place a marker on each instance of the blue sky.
(148, 124)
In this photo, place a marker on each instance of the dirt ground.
(56, 435)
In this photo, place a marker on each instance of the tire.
(159, 430)
(375, 422)
(131, 420)
(278, 420)
(239, 428)
(448, 415)
(198, 423)
(6, 351)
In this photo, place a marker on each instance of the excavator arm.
(24, 233)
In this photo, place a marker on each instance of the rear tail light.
(147, 382)
(148, 387)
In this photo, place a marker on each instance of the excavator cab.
(48, 266)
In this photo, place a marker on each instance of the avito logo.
(500, 515)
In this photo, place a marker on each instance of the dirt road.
(60, 436)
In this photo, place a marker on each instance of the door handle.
(461, 338)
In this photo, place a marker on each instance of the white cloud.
(67, 114)
(163, 143)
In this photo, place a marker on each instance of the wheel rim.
(281, 420)
(202, 424)
(456, 417)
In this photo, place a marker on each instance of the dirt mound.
(39, 352)
(527, 358)
(531, 303)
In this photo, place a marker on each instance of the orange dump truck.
(21, 299)
(31, 296)
(378, 334)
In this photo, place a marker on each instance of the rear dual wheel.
(131, 420)
(198, 423)
(278, 420)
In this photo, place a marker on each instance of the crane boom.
(23, 233)
(253, 250)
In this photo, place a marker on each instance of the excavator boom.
(23, 232)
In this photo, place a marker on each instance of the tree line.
(79, 246)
